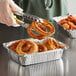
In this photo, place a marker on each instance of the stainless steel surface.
(63, 67)
(35, 57)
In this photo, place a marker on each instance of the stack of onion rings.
(68, 23)
(52, 44)
(41, 29)
(23, 47)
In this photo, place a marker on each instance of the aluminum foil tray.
(35, 57)
(69, 33)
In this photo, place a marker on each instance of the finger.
(15, 8)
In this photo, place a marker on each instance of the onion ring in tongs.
(44, 29)
(29, 30)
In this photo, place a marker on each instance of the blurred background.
(72, 6)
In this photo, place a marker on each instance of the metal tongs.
(30, 17)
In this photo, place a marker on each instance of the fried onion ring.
(13, 46)
(72, 19)
(51, 44)
(33, 48)
(63, 21)
(41, 47)
(66, 26)
(34, 35)
(68, 23)
(40, 29)
(62, 45)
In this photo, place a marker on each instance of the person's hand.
(7, 10)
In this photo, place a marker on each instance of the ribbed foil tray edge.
(35, 57)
